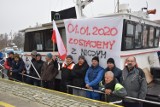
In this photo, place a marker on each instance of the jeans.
(93, 95)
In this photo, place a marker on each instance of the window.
(151, 37)
(38, 41)
(138, 36)
(130, 29)
(145, 37)
(48, 41)
(156, 40)
(129, 43)
(63, 34)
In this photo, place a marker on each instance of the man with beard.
(134, 82)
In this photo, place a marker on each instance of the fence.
(106, 96)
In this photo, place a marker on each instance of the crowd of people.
(114, 82)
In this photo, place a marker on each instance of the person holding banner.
(67, 68)
(48, 73)
(134, 81)
(38, 65)
(17, 68)
(112, 67)
(92, 78)
(78, 75)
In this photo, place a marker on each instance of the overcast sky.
(19, 14)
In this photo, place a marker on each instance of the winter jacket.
(118, 91)
(117, 72)
(134, 83)
(48, 71)
(78, 74)
(38, 65)
(8, 63)
(66, 72)
(94, 76)
(55, 63)
(18, 67)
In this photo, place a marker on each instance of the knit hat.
(69, 56)
(38, 55)
(49, 55)
(96, 58)
(81, 57)
(11, 52)
(111, 60)
(34, 52)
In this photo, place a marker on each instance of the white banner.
(94, 37)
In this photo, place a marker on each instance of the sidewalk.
(47, 97)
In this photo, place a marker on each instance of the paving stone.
(40, 95)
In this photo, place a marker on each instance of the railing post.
(67, 89)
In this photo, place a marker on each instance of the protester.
(134, 82)
(33, 71)
(78, 75)
(114, 90)
(112, 67)
(67, 68)
(33, 55)
(48, 73)
(29, 65)
(92, 78)
(8, 63)
(17, 68)
(27, 68)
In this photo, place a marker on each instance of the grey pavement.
(43, 97)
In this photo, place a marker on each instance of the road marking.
(5, 104)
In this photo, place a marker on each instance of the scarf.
(111, 85)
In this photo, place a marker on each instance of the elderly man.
(112, 88)
(93, 76)
(134, 82)
(48, 72)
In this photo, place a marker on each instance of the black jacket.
(116, 71)
(66, 72)
(78, 75)
(38, 65)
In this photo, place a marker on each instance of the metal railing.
(106, 96)
(39, 77)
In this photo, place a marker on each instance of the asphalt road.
(7, 100)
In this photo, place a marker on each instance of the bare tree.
(3, 40)
(19, 40)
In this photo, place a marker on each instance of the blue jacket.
(18, 67)
(93, 76)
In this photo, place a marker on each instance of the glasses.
(130, 61)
